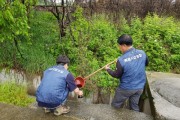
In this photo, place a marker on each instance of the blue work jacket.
(53, 88)
(133, 63)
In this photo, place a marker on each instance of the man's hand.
(80, 93)
(107, 67)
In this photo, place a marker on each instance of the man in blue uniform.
(56, 83)
(130, 69)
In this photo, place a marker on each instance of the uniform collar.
(61, 66)
(131, 49)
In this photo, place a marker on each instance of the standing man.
(56, 83)
(130, 69)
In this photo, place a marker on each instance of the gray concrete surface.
(165, 89)
(169, 89)
(79, 111)
(9, 112)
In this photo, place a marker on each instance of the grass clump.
(13, 93)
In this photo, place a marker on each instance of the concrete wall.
(165, 89)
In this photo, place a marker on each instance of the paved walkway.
(79, 111)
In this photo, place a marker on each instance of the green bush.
(37, 53)
(15, 94)
(159, 37)
(91, 44)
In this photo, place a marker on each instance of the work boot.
(46, 110)
(61, 110)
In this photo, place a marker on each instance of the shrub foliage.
(90, 43)
(12, 93)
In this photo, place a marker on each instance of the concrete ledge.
(164, 109)
(165, 90)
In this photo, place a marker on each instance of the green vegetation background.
(33, 44)
(29, 41)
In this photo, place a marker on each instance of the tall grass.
(15, 94)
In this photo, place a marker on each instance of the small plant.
(15, 94)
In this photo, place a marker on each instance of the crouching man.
(56, 83)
